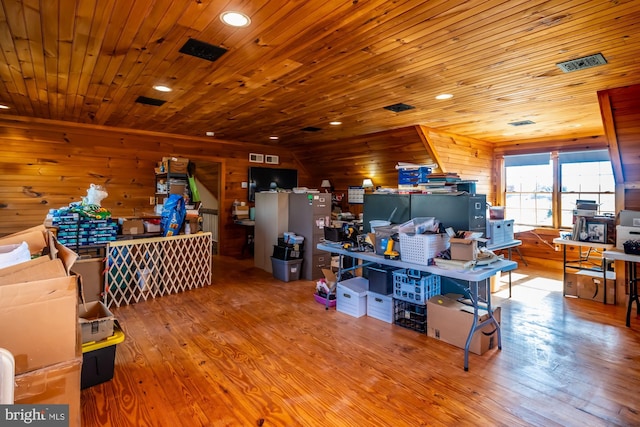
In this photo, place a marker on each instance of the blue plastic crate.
(415, 286)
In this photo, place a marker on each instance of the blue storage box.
(414, 176)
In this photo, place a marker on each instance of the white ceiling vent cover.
(582, 63)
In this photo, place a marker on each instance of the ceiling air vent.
(202, 50)
(311, 129)
(522, 123)
(582, 63)
(150, 101)
(397, 108)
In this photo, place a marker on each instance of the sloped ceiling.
(302, 64)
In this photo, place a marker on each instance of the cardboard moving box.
(54, 384)
(39, 304)
(96, 321)
(133, 226)
(464, 246)
(39, 318)
(450, 321)
(463, 249)
(39, 322)
(90, 274)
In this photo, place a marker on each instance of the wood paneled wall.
(620, 109)
(49, 164)
(348, 161)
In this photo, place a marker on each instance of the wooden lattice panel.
(150, 268)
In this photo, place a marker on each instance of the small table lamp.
(367, 183)
(326, 185)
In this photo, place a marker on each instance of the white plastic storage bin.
(495, 231)
(508, 230)
(380, 306)
(421, 248)
(351, 296)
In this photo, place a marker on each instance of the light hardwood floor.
(250, 350)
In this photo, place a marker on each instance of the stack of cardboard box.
(39, 318)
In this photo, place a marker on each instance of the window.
(529, 179)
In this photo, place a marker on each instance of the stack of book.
(442, 182)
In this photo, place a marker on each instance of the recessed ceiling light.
(274, 137)
(335, 123)
(444, 96)
(4, 107)
(161, 88)
(522, 123)
(235, 19)
(209, 133)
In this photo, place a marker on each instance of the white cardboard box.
(629, 218)
(351, 296)
(380, 306)
(624, 233)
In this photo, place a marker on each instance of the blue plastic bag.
(173, 214)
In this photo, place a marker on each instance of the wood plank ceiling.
(305, 63)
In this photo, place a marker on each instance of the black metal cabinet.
(459, 211)
(389, 207)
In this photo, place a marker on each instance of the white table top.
(561, 241)
(504, 245)
(619, 255)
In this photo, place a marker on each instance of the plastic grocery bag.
(14, 254)
(173, 214)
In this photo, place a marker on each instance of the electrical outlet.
(245, 184)
(152, 200)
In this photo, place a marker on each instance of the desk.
(248, 241)
(508, 246)
(630, 262)
(473, 276)
(583, 263)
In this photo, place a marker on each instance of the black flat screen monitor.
(260, 179)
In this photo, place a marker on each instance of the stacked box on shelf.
(77, 230)
(415, 286)
(67, 225)
(101, 230)
(413, 176)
